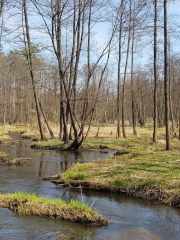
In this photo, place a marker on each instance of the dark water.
(129, 218)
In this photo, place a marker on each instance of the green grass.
(75, 205)
(57, 202)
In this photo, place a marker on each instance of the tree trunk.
(45, 119)
(170, 100)
(155, 73)
(166, 90)
(119, 74)
(134, 118)
(124, 81)
(1, 9)
(31, 72)
(1, 14)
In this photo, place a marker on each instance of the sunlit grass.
(33, 198)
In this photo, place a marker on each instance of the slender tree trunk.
(170, 100)
(166, 90)
(1, 15)
(1, 9)
(46, 121)
(31, 71)
(61, 75)
(155, 73)
(134, 120)
(124, 81)
(119, 73)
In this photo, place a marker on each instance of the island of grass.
(30, 204)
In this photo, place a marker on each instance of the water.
(129, 218)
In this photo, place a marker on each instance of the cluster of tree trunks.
(79, 87)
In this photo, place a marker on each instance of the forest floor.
(139, 167)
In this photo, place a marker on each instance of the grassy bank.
(30, 204)
(142, 169)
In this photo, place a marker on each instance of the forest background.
(75, 63)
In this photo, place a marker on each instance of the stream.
(129, 218)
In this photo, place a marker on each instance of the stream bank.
(155, 193)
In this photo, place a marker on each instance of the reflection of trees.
(40, 169)
(74, 231)
(58, 163)
(48, 167)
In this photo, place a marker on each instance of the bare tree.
(125, 73)
(31, 71)
(166, 90)
(155, 72)
(119, 69)
(134, 120)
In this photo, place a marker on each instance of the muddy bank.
(43, 207)
(101, 149)
(16, 161)
(155, 193)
